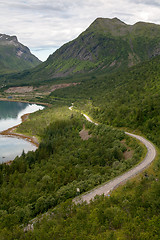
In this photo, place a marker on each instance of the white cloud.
(148, 2)
(47, 24)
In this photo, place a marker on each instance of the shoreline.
(9, 132)
(25, 101)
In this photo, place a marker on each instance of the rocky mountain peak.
(14, 56)
(106, 45)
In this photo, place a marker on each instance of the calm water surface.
(10, 115)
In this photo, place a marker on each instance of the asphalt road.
(112, 184)
(106, 188)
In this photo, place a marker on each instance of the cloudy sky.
(45, 25)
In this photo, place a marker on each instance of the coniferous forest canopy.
(47, 180)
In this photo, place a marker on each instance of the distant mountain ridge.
(106, 45)
(14, 56)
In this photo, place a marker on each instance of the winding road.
(106, 188)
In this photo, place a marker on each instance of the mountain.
(64, 165)
(64, 162)
(107, 44)
(14, 56)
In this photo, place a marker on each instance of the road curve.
(112, 184)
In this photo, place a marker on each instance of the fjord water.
(10, 116)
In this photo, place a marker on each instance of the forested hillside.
(38, 181)
(64, 162)
(124, 99)
(128, 99)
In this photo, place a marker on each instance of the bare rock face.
(14, 56)
(8, 40)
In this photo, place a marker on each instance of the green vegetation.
(49, 178)
(14, 56)
(124, 99)
(128, 99)
(107, 45)
(36, 182)
(132, 212)
(9, 62)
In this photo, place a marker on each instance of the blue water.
(10, 115)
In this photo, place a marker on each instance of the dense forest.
(49, 178)
(131, 212)
(38, 181)
(127, 99)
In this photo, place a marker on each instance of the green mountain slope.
(39, 181)
(128, 99)
(124, 99)
(107, 44)
(14, 56)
